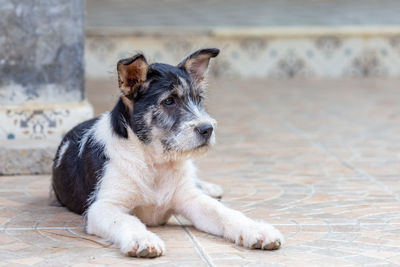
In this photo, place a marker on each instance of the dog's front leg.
(209, 215)
(128, 232)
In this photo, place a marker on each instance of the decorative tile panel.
(276, 56)
(41, 121)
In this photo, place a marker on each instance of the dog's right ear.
(132, 73)
(197, 63)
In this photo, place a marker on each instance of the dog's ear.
(197, 63)
(132, 73)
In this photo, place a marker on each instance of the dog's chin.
(191, 153)
(201, 149)
(197, 151)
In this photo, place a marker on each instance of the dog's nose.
(205, 130)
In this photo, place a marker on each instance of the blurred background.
(261, 39)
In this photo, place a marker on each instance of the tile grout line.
(198, 247)
(191, 235)
(36, 228)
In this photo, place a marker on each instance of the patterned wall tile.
(328, 45)
(366, 64)
(324, 56)
(43, 122)
(291, 65)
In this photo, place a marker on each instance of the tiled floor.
(318, 159)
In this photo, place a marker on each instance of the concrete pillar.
(42, 91)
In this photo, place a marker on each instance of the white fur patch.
(61, 152)
(84, 139)
(102, 126)
(140, 186)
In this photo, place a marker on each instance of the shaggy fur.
(132, 167)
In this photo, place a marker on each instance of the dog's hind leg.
(213, 190)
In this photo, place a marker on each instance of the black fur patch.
(120, 119)
(76, 177)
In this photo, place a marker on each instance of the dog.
(133, 167)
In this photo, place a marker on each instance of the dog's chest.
(157, 187)
(152, 215)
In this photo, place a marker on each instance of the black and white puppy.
(132, 167)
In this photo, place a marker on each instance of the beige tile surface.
(318, 159)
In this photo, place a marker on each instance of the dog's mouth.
(202, 148)
(206, 144)
(199, 149)
(194, 148)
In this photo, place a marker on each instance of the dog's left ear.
(132, 73)
(197, 63)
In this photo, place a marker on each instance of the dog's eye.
(169, 101)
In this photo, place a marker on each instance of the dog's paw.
(210, 189)
(147, 245)
(259, 235)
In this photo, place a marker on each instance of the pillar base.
(30, 134)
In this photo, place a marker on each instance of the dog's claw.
(143, 253)
(259, 235)
(153, 253)
(148, 251)
(273, 245)
(256, 245)
(132, 253)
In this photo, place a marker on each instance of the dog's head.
(164, 104)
